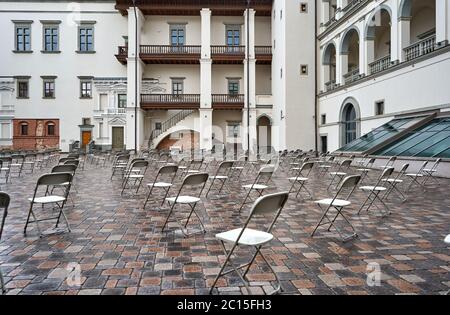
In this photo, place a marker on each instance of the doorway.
(264, 135)
(117, 138)
(86, 137)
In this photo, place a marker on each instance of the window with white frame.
(22, 36)
(50, 34)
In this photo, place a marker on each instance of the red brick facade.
(38, 135)
(190, 140)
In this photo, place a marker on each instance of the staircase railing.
(172, 121)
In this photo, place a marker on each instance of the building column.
(339, 8)
(343, 61)
(325, 69)
(325, 11)
(369, 53)
(250, 79)
(442, 21)
(205, 82)
(395, 40)
(404, 36)
(134, 62)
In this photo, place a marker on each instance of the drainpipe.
(136, 52)
(248, 79)
(316, 95)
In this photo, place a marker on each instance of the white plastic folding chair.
(415, 178)
(300, 180)
(16, 165)
(4, 204)
(246, 237)
(324, 166)
(337, 204)
(238, 167)
(134, 176)
(67, 168)
(48, 181)
(366, 168)
(390, 163)
(375, 193)
(430, 172)
(341, 172)
(168, 172)
(221, 176)
(259, 184)
(193, 168)
(5, 168)
(120, 164)
(193, 181)
(393, 184)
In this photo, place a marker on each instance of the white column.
(369, 51)
(340, 6)
(325, 73)
(133, 61)
(206, 112)
(362, 57)
(250, 78)
(404, 36)
(325, 11)
(395, 40)
(442, 21)
(343, 66)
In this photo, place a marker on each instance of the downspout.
(316, 95)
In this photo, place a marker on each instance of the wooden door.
(117, 138)
(86, 137)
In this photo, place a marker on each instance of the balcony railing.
(420, 48)
(263, 50)
(330, 85)
(228, 50)
(170, 101)
(170, 50)
(228, 101)
(352, 76)
(380, 64)
(110, 111)
(351, 4)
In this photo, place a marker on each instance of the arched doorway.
(264, 134)
(350, 118)
(329, 67)
(350, 56)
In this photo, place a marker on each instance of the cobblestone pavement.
(119, 248)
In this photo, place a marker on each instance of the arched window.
(50, 129)
(24, 129)
(350, 123)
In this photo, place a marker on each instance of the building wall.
(37, 137)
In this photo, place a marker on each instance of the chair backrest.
(67, 168)
(424, 165)
(306, 167)
(4, 204)
(72, 162)
(18, 158)
(371, 162)
(138, 163)
(168, 169)
(403, 170)
(436, 165)
(345, 164)
(54, 179)
(387, 173)
(265, 205)
(348, 184)
(195, 179)
(225, 165)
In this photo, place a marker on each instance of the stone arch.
(345, 124)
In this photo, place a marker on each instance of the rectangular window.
(51, 38)
(379, 108)
(233, 87)
(177, 35)
(49, 88)
(86, 89)
(6, 134)
(323, 119)
(177, 87)
(86, 38)
(22, 88)
(158, 126)
(86, 121)
(100, 130)
(122, 101)
(233, 35)
(23, 37)
(24, 129)
(233, 130)
(50, 129)
(324, 144)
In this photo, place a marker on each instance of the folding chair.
(325, 166)
(246, 237)
(238, 167)
(16, 165)
(135, 173)
(415, 178)
(221, 176)
(340, 173)
(375, 192)
(394, 182)
(259, 184)
(168, 171)
(47, 181)
(299, 181)
(120, 164)
(327, 205)
(29, 163)
(191, 181)
(390, 163)
(64, 160)
(66, 168)
(4, 204)
(366, 169)
(193, 168)
(5, 167)
(429, 172)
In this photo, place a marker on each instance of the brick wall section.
(190, 140)
(37, 138)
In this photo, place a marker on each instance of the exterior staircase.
(167, 125)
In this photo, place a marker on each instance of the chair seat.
(447, 239)
(193, 171)
(4, 168)
(298, 179)
(324, 166)
(338, 173)
(336, 202)
(219, 177)
(250, 237)
(160, 185)
(237, 167)
(16, 164)
(393, 180)
(414, 175)
(47, 199)
(373, 188)
(363, 169)
(120, 166)
(256, 186)
(134, 176)
(429, 170)
(182, 167)
(184, 199)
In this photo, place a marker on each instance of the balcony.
(330, 85)
(170, 101)
(352, 76)
(351, 4)
(420, 48)
(168, 54)
(228, 101)
(380, 64)
(110, 112)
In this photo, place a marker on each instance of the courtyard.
(116, 247)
